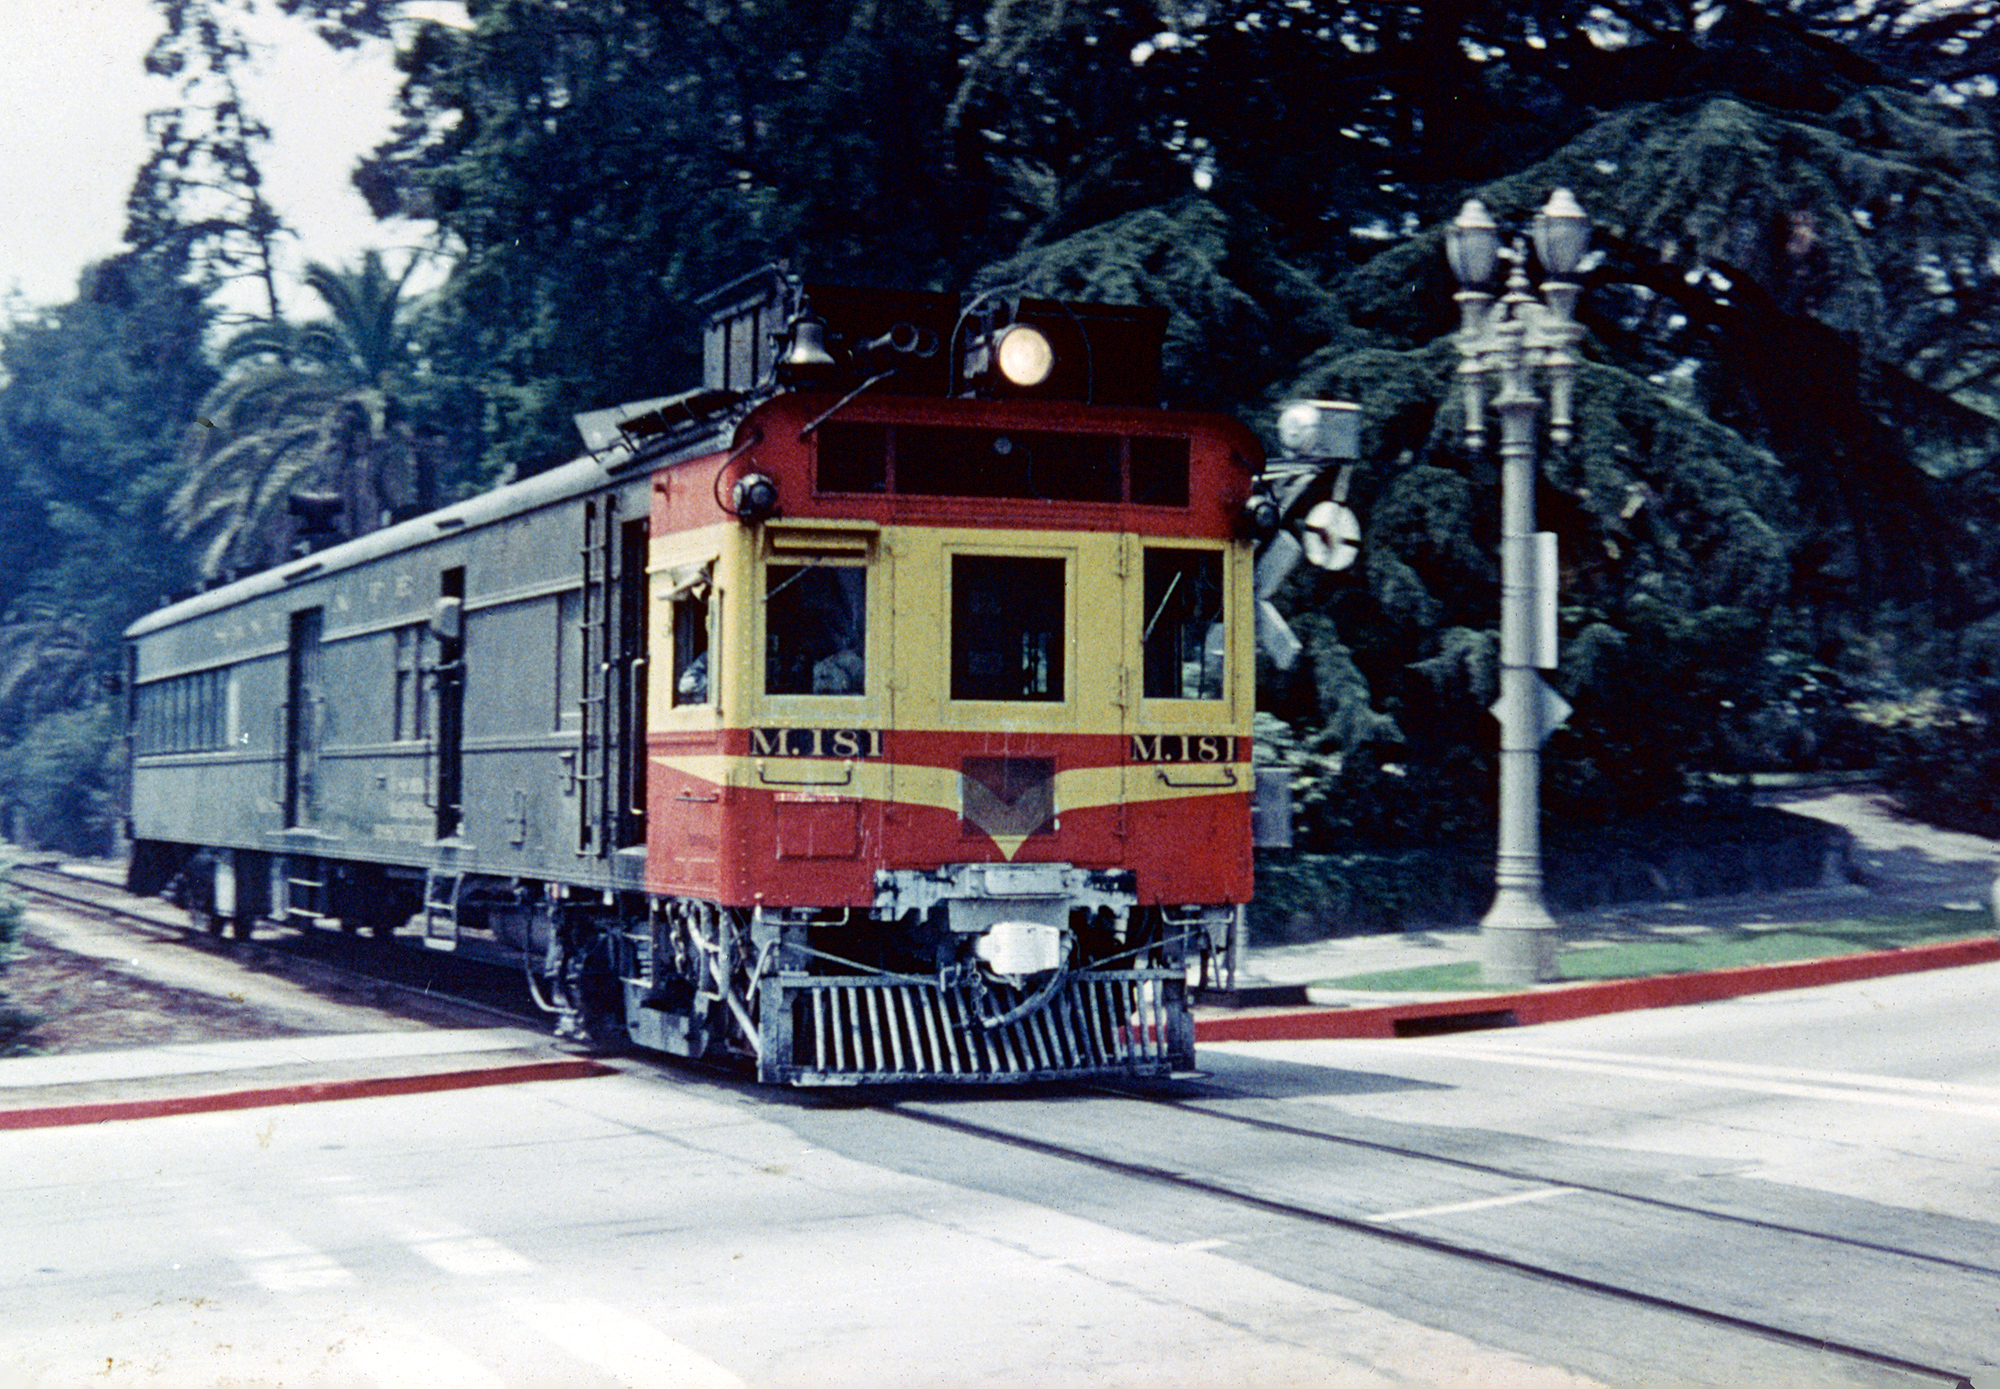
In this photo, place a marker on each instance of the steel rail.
(1359, 1225)
(57, 886)
(1589, 1188)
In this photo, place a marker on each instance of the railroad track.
(420, 980)
(1118, 1145)
(1715, 1247)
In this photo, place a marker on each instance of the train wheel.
(590, 1000)
(202, 918)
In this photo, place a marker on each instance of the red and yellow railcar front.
(949, 737)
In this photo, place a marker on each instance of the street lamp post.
(1511, 343)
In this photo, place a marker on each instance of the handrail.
(846, 779)
(1228, 779)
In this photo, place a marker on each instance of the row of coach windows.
(184, 713)
(937, 461)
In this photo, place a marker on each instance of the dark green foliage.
(604, 165)
(1786, 419)
(1946, 770)
(1715, 848)
(60, 781)
(1672, 533)
(1941, 745)
(1789, 424)
(324, 407)
(95, 395)
(15, 1025)
(1238, 314)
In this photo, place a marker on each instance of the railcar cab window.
(1184, 639)
(1007, 616)
(1033, 465)
(815, 629)
(689, 594)
(691, 678)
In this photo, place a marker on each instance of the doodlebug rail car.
(894, 721)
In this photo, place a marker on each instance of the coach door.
(301, 719)
(448, 627)
(611, 777)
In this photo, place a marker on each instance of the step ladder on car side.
(443, 888)
(305, 892)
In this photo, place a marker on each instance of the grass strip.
(1693, 952)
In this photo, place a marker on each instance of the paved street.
(622, 1230)
(1821, 1160)
(1886, 1090)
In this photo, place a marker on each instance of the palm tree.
(314, 409)
(51, 659)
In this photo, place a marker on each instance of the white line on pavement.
(1959, 1101)
(283, 1263)
(1942, 1088)
(444, 1243)
(630, 1349)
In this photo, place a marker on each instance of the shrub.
(15, 1025)
(1942, 757)
(59, 782)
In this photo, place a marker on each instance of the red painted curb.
(1567, 1001)
(313, 1092)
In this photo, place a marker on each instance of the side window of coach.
(568, 716)
(407, 714)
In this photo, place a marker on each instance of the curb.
(1562, 1002)
(310, 1092)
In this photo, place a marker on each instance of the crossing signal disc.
(1331, 535)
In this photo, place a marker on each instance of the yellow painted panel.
(1094, 659)
(908, 615)
(665, 554)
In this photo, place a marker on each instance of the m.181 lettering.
(1183, 747)
(816, 742)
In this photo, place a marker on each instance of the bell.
(806, 356)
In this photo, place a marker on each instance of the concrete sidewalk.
(95, 1087)
(1895, 866)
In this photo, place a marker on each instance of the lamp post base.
(1517, 940)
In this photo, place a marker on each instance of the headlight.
(1023, 354)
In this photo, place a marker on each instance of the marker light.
(1261, 514)
(753, 498)
(1023, 355)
